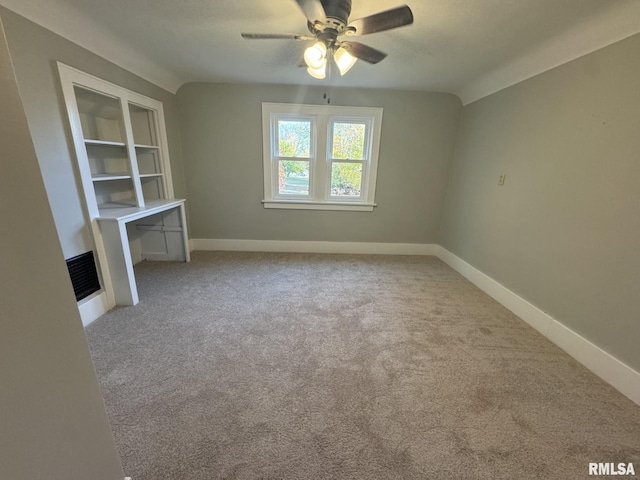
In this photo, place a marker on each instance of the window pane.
(294, 138)
(293, 177)
(348, 140)
(346, 179)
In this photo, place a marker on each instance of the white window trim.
(319, 172)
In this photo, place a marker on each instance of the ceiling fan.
(329, 19)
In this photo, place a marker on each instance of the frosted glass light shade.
(318, 73)
(316, 55)
(344, 60)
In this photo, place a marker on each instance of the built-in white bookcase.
(123, 161)
(123, 150)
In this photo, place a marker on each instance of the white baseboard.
(313, 247)
(619, 375)
(92, 307)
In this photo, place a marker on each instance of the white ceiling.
(467, 47)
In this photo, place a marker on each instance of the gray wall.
(53, 423)
(35, 51)
(564, 230)
(221, 133)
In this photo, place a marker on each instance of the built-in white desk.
(156, 231)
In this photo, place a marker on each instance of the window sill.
(308, 205)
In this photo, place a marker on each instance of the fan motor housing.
(337, 13)
(337, 9)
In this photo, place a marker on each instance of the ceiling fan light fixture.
(316, 56)
(344, 60)
(327, 20)
(318, 73)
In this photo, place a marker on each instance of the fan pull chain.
(329, 75)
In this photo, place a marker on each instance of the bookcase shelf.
(104, 177)
(102, 143)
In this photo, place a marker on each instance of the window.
(320, 157)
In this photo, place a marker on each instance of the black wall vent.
(84, 276)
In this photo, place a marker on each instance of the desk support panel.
(116, 244)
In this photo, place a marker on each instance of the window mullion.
(321, 178)
(364, 185)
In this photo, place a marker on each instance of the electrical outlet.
(501, 179)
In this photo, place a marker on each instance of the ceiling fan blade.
(313, 10)
(364, 52)
(275, 36)
(379, 22)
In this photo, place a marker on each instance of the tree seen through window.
(348, 144)
(294, 141)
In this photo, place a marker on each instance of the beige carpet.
(299, 366)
